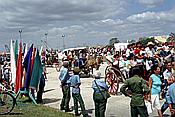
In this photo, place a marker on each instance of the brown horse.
(91, 63)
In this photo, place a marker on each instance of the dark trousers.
(139, 110)
(165, 104)
(41, 90)
(78, 99)
(66, 97)
(100, 105)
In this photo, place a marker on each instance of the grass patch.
(27, 109)
(37, 111)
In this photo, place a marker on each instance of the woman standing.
(155, 86)
(99, 98)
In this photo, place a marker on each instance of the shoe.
(78, 114)
(62, 108)
(86, 115)
(68, 110)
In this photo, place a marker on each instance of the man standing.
(138, 88)
(171, 99)
(65, 85)
(168, 80)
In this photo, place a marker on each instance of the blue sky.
(84, 22)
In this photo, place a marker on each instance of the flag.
(36, 72)
(16, 51)
(25, 51)
(12, 63)
(41, 49)
(32, 60)
(27, 63)
(19, 70)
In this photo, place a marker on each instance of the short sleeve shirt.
(75, 80)
(156, 84)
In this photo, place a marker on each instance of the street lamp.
(20, 31)
(46, 38)
(63, 41)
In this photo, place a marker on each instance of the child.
(75, 84)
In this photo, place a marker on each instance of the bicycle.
(7, 100)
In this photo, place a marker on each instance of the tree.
(131, 41)
(171, 37)
(145, 40)
(113, 40)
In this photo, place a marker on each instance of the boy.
(75, 84)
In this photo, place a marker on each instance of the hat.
(76, 69)
(65, 63)
(97, 74)
(150, 43)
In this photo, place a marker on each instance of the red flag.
(32, 59)
(19, 70)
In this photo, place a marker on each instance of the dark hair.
(135, 71)
(166, 62)
(76, 73)
(154, 67)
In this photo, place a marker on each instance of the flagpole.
(20, 36)
(63, 41)
(46, 39)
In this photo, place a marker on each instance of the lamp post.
(63, 41)
(20, 36)
(46, 38)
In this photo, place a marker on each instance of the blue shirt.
(75, 81)
(171, 94)
(102, 85)
(64, 76)
(156, 84)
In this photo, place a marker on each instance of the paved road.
(117, 106)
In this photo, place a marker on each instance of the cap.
(76, 69)
(150, 43)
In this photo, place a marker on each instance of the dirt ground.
(117, 106)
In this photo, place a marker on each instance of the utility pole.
(20, 36)
(46, 39)
(63, 41)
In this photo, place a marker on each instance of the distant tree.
(171, 37)
(144, 40)
(113, 40)
(131, 41)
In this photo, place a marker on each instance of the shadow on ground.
(48, 90)
(50, 100)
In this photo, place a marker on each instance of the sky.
(83, 22)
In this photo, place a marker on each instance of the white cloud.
(153, 17)
(82, 21)
(151, 3)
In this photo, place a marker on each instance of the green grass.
(31, 110)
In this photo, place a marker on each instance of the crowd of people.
(151, 81)
(149, 71)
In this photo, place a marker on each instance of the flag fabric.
(16, 51)
(27, 63)
(36, 72)
(41, 49)
(19, 71)
(12, 63)
(25, 50)
(32, 60)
